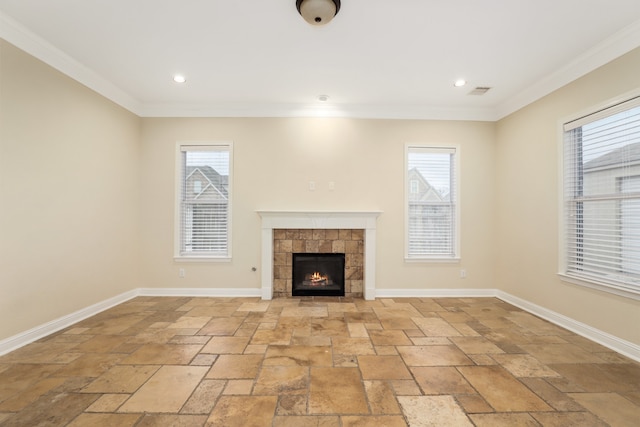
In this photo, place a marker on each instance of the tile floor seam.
(450, 365)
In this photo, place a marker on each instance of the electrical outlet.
(463, 273)
(181, 273)
(312, 186)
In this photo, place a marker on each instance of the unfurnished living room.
(320, 213)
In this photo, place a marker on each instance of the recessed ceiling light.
(323, 98)
(179, 78)
(460, 83)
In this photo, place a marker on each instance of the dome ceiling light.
(318, 12)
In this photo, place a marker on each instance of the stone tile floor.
(164, 361)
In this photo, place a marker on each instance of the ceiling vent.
(480, 90)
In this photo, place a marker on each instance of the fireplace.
(318, 274)
(311, 241)
(279, 241)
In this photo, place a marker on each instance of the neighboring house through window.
(630, 224)
(204, 192)
(602, 199)
(431, 203)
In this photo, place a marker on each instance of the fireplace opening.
(318, 274)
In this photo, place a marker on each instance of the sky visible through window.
(218, 160)
(596, 133)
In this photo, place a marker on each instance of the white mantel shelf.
(365, 220)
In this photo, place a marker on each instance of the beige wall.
(274, 160)
(527, 181)
(68, 195)
(87, 195)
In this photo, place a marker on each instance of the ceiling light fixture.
(323, 98)
(460, 83)
(179, 79)
(318, 12)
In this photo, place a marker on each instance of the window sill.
(201, 259)
(601, 286)
(432, 260)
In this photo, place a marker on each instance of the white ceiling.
(377, 58)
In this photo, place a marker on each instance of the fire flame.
(317, 277)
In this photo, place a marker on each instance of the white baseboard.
(34, 334)
(435, 293)
(200, 292)
(619, 345)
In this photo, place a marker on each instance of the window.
(415, 186)
(602, 198)
(204, 196)
(431, 203)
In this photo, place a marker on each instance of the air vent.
(480, 90)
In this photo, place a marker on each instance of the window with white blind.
(203, 206)
(431, 205)
(602, 199)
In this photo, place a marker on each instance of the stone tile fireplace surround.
(307, 240)
(359, 227)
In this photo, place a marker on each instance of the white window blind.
(602, 197)
(204, 201)
(431, 195)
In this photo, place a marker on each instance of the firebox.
(318, 274)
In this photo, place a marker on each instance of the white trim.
(352, 111)
(319, 220)
(604, 52)
(201, 259)
(629, 99)
(612, 342)
(20, 340)
(184, 146)
(600, 286)
(611, 48)
(435, 147)
(33, 334)
(600, 113)
(436, 293)
(267, 263)
(562, 224)
(433, 260)
(200, 292)
(19, 36)
(608, 103)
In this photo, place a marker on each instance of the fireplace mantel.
(365, 220)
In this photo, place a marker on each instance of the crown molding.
(357, 111)
(609, 49)
(19, 36)
(606, 51)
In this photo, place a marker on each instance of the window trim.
(457, 211)
(595, 112)
(177, 256)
